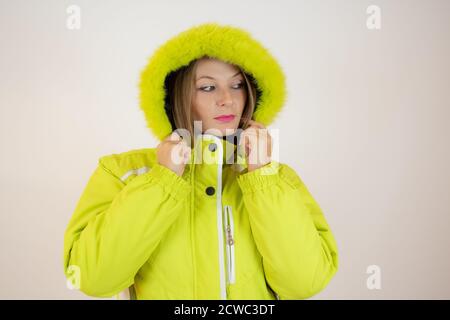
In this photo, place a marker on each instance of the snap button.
(210, 191)
(212, 147)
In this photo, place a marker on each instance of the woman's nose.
(225, 98)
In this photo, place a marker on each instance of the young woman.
(201, 216)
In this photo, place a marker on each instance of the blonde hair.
(180, 86)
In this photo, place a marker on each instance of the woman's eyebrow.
(208, 77)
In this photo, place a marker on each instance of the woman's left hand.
(257, 144)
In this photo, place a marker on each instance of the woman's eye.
(237, 86)
(203, 88)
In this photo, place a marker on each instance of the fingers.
(253, 123)
(174, 137)
(247, 139)
(254, 137)
(254, 129)
(184, 152)
(180, 152)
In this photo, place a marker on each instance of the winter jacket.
(216, 232)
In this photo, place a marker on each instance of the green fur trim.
(224, 42)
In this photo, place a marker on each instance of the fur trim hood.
(225, 42)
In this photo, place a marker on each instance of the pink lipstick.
(225, 118)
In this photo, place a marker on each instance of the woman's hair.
(180, 86)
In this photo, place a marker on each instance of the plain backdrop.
(365, 125)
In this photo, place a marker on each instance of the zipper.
(229, 236)
(219, 216)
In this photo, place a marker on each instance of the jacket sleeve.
(298, 249)
(116, 227)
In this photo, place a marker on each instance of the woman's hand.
(257, 145)
(173, 153)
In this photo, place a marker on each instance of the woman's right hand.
(173, 153)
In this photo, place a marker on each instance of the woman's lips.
(226, 118)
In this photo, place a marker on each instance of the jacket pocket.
(230, 244)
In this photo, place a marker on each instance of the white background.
(365, 126)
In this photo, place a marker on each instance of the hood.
(225, 42)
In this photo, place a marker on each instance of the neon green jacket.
(217, 232)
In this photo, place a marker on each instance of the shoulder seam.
(113, 163)
(102, 164)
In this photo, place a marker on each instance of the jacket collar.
(213, 148)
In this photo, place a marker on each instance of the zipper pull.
(229, 231)
(230, 239)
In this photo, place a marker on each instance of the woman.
(160, 224)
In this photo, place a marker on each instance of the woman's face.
(219, 91)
